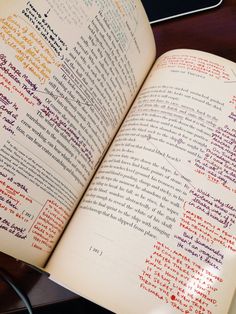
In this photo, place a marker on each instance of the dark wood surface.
(40, 290)
(212, 31)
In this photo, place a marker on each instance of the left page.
(69, 71)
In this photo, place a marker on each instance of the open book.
(117, 175)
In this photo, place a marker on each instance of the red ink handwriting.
(203, 229)
(48, 225)
(196, 65)
(174, 278)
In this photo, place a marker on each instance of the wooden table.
(212, 31)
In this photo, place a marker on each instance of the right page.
(156, 230)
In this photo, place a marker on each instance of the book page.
(156, 230)
(69, 71)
